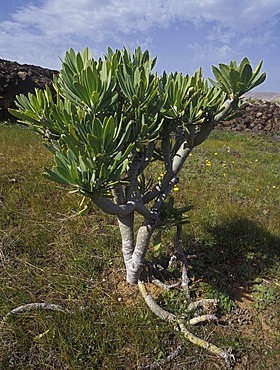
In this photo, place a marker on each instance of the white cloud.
(93, 18)
(216, 29)
(221, 34)
(209, 55)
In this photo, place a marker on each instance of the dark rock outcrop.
(255, 116)
(18, 78)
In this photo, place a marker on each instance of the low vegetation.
(49, 254)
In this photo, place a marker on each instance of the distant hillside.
(264, 96)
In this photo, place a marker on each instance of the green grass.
(49, 255)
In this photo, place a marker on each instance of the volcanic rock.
(255, 116)
(18, 78)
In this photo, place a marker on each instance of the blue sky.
(184, 34)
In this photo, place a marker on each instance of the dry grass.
(47, 255)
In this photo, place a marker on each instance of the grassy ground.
(48, 255)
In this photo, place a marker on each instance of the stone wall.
(18, 78)
(255, 116)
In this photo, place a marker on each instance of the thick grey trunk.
(111, 208)
(126, 229)
(135, 264)
(180, 157)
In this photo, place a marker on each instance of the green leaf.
(157, 242)
(222, 81)
(234, 80)
(246, 74)
(245, 61)
(258, 81)
(82, 93)
(257, 69)
(97, 129)
(79, 61)
(225, 70)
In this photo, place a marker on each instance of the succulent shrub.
(114, 117)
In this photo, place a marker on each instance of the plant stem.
(178, 323)
(134, 266)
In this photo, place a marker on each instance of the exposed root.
(203, 304)
(31, 307)
(198, 319)
(179, 324)
(158, 282)
(164, 286)
(207, 305)
(185, 278)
